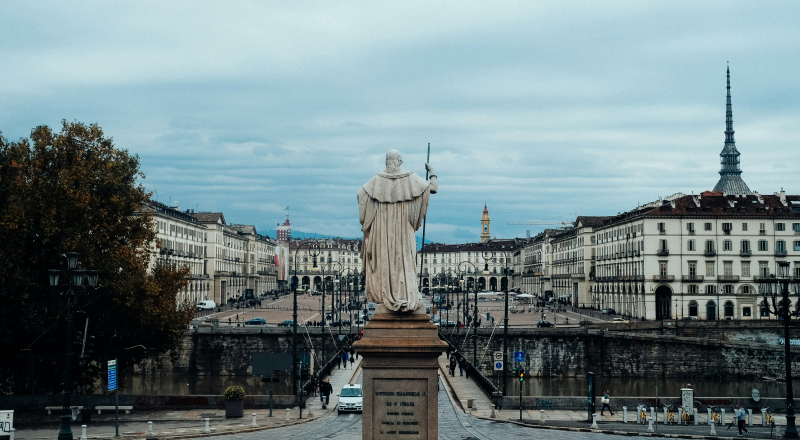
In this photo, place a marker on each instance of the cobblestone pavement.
(453, 425)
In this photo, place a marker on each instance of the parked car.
(358, 320)
(206, 305)
(544, 323)
(257, 321)
(345, 322)
(351, 399)
(286, 323)
(618, 320)
(690, 318)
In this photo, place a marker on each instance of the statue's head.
(393, 160)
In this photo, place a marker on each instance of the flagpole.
(424, 220)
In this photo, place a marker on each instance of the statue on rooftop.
(391, 207)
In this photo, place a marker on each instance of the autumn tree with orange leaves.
(74, 191)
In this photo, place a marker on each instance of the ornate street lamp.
(70, 300)
(475, 311)
(775, 290)
(314, 251)
(487, 255)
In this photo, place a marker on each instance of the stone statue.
(391, 207)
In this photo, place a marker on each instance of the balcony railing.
(662, 252)
(780, 253)
(664, 278)
(732, 278)
(745, 253)
(710, 253)
(692, 278)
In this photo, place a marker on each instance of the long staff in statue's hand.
(424, 220)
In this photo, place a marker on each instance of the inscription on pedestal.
(400, 409)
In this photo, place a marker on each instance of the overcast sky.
(539, 109)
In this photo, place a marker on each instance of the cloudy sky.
(539, 109)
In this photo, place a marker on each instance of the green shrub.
(234, 393)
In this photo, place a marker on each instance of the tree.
(74, 191)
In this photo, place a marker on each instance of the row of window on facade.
(727, 228)
(727, 268)
(727, 246)
(728, 310)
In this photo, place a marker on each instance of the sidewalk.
(460, 389)
(182, 424)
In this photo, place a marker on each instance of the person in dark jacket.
(325, 390)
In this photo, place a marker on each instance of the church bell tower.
(485, 231)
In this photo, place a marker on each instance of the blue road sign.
(519, 356)
(498, 366)
(112, 375)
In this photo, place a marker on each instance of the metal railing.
(325, 371)
(481, 381)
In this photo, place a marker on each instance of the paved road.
(453, 425)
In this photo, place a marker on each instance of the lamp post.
(70, 300)
(488, 255)
(772, 287)
(475, 316)
(331, 265)
(314, 252)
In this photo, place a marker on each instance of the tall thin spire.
(730, 180)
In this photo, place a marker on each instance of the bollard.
(309, 414)
(149, 430)
(493, 415)
(83, 432)
(722, 417)
(763, 417)
(749, 417)
(652, 412)
(11, 434)
(665, 416)
(594, 421)
(713, 430)
(624, 414)
(286, 417)
(680, 415)
(650, 427)
(207, 430)
(696, 420)
(541, 417)
(254, 425)
(709, 415)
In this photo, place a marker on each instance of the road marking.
(350, 416)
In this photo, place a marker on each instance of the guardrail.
(488, 388)
(325, 371)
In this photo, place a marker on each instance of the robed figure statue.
(391, 207)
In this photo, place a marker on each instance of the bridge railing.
(486, 385)
(325, 371)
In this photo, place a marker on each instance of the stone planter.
(234, 408)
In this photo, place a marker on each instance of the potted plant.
(234, 401)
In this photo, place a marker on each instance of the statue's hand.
(429, 168)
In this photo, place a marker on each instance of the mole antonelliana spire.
(730, 180)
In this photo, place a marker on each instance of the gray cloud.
(539, 110)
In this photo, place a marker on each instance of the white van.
(351, 399)
(206, 305)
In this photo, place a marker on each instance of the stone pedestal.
(400, 368)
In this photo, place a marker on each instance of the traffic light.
(88, 346)
(521, 375)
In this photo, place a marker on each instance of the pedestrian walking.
(339, 362)
(740, 416)
(461, 365)
(325, 390)
(606, 400)
(237, 317)
(344, 359)
(229, 321)
(452, 367)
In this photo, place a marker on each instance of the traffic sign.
(498, 356)
(498, 365)
(112, 375)
(519, 356)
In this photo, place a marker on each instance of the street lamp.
(475, 316)
(314, 252)
(70, 300)
(487, 255)
(332, 265)
(771, 287)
